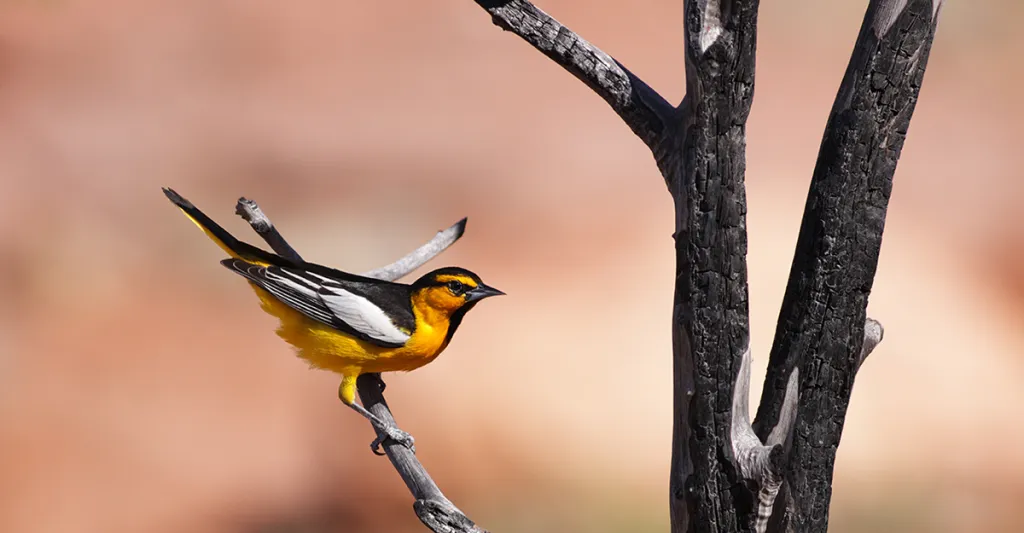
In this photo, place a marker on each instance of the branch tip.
(418, 257)
(640, 107)
(251, 212)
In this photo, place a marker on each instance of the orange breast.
(327, 348)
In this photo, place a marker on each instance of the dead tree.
(728, 473)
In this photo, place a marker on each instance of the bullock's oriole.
(351, 324)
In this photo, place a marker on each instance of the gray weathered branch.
(421, 255)
(760, 463)
(639, 106)
(431, 506)
(821, 327)
(436, 511)
(248, 210)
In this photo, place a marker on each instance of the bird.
(351, 324)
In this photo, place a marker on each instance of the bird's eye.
(456, 287)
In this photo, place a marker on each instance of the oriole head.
(450, 289)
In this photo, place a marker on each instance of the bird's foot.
(393, 433)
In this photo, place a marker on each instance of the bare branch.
(822, 327)
(641, 107)
(421, 255)
(252, 214)
(431, 506)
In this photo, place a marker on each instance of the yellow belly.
(327, 348)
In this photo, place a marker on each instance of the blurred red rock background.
(142, 389)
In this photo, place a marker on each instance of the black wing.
(375, 311)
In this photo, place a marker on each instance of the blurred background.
(142, 389)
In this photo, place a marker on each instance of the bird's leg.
(384, 430)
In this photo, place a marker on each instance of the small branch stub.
(252, 214)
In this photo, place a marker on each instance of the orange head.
(451, 289)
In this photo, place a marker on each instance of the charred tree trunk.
(726, 472)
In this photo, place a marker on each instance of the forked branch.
(762, 464)
(432, 507)
(823, 334)
(821, 327)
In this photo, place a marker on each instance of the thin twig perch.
(432, 507)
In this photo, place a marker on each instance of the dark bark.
(639, 106)
(699, 148)
(821, 323)
(711, 310)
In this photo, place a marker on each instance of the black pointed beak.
(480, 292)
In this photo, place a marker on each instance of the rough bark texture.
(639, 106)
(719, 462)
(711, 248)
(822, 320)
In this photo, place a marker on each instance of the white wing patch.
(362, 315)
(298, 286)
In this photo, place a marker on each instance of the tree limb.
(711, 312)
(873, 333)
(639, 106)
(432, 507)
(823, 334)
(252, 214)
(421, 255)
(821, 327)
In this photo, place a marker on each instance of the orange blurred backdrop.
(143, 390)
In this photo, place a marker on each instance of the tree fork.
(725, 472)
